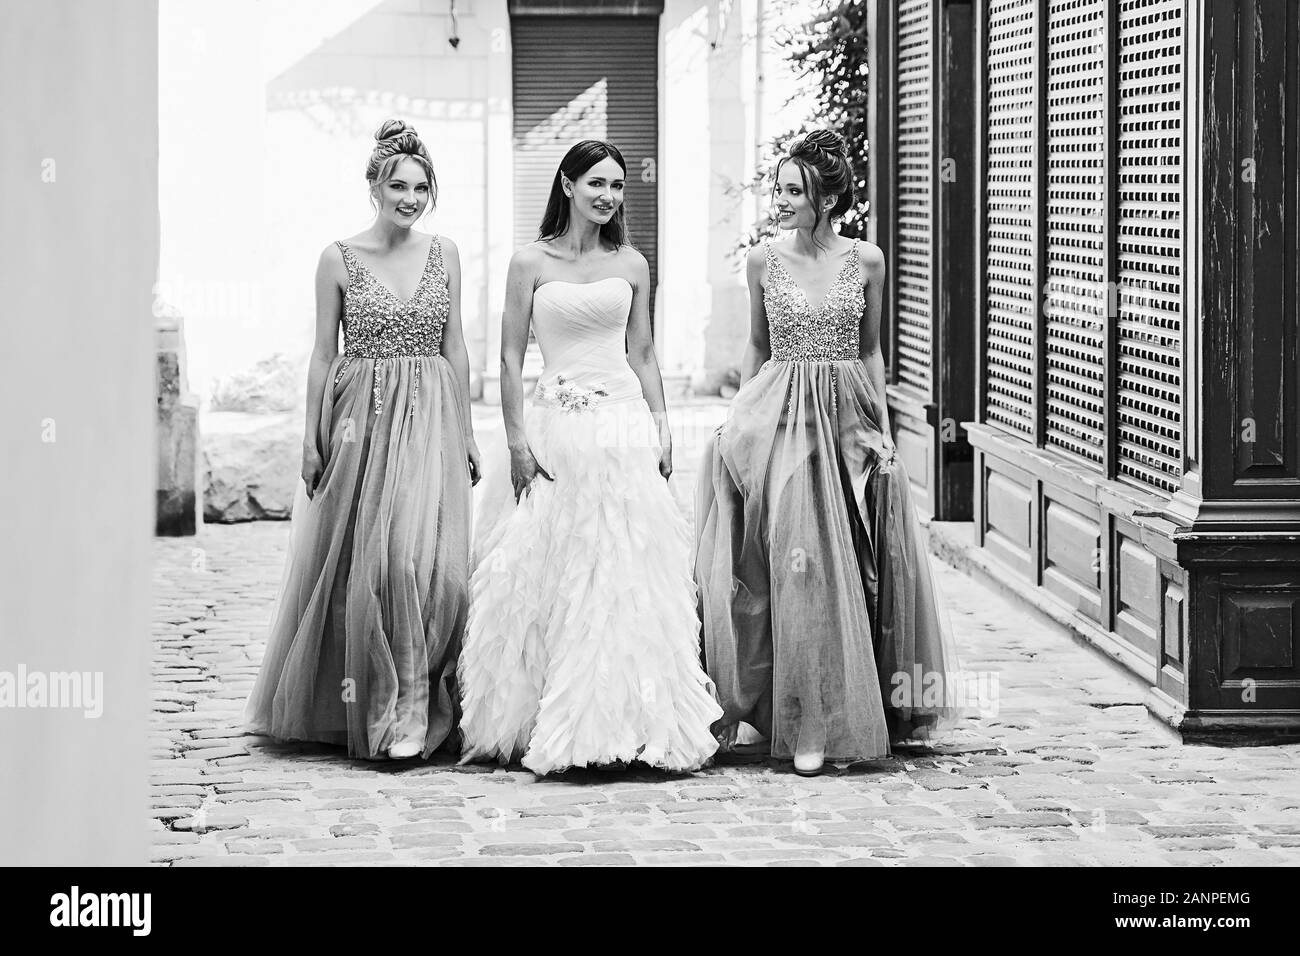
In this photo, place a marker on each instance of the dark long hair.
(580, 158)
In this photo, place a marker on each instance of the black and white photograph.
(651, 434)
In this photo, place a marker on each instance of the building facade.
(1090, 212)
(271, 108)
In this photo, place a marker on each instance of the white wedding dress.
(582, 643)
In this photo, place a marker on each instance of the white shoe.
(746, 735)
(405, 749)
(809, 765)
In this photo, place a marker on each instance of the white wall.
(267, 116)
(724, 95)
(80, 175)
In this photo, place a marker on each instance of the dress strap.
(435, 255)
(349, 258)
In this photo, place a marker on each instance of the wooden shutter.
(1075, 303)
(1011, 196)
(580, 77)
(914, 280)
(1149, 242)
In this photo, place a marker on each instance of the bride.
(581, 646)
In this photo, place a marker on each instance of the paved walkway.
(1070, 770)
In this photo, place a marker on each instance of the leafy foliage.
(830, 50)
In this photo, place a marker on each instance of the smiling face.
(792, 202)
(404, 196)
(597, 194)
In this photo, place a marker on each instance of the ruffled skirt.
(824, 628)
(371, 614)
(582, 645)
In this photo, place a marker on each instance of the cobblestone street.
(1070, 771)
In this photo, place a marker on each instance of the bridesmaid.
(362, 650)
(816, 590)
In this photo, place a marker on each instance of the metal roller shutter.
(1076, 302)
(1149, 242)
(587, 77)
(916, 134)
(1011, 212)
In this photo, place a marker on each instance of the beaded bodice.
(378, 325)
(798, 332)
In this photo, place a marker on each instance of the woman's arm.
(331, 279)
(758, 350)
(873, 263)
(641, 356)
(516, 318)
(454, 351)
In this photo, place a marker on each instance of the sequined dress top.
(797, 331)
(377, 324)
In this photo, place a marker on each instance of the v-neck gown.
(818, 599)
(582, 646)
(363, 644)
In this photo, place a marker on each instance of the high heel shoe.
(809, 765)
(405, 749)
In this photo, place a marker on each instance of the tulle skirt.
(582, 646)
(363, 644)
(824, 628)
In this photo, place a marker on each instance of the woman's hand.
(312, 467)
(666, 452)
(475, 462)
(524, 469)
(890, 449)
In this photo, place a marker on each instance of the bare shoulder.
(527, 257)
(756, 262)
(634, 259)
(331, 263)
(871, 258)
(531, 255)
(526, 263)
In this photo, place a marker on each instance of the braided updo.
(823, 160)
(394, 140)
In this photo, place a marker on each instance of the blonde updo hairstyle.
(394, 141)
(823, 160)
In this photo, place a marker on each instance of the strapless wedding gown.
(582, 643)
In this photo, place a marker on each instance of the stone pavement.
(1070, 770)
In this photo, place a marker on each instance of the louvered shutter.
(587, 77)
(1075, 303)
(1149, 242)
(916, 201)
(1010, 212)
